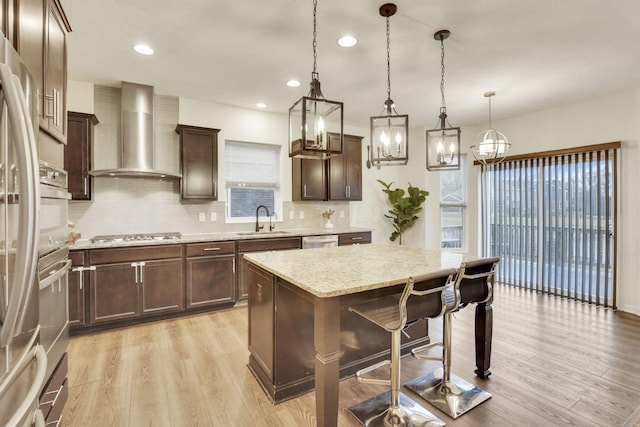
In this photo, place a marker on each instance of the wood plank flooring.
(554, 363)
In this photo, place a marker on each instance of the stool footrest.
(363, 371)
(415, 352)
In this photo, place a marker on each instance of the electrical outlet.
(202, 217)
(341, 214)
(214, 216)
(301, 214)
(292, 214)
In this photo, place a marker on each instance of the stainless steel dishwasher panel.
(310, 242)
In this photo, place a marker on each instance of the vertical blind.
(551, 220)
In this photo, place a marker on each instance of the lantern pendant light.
(390, 130)
(315, 123)
(443, 143)
(490, 146)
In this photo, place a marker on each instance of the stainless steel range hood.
(137, 135)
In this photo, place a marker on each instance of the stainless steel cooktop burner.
(135, 237)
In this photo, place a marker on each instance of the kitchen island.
(300, 332)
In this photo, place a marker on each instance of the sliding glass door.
(551, 220)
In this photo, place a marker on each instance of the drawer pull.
(211, 249)
(57, 394)
(356, 238)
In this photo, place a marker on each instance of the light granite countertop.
(219, 237)
(342, 270)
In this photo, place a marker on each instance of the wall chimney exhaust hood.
(136, 149)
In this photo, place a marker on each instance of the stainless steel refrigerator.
(23, 360)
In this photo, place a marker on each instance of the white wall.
(80, 97)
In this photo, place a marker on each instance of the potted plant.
(404, 209)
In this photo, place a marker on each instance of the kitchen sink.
(261, 233)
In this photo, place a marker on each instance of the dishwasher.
(310, 242)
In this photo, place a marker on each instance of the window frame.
(229, 184)
(462, 204)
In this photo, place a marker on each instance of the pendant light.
(315, 123)
(443, 143)
(390, 130)
(490, 146)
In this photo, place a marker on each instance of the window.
(453, 202)
(551, 220)
(252, 178)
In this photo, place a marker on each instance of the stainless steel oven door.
(53, 218)
(53, 273)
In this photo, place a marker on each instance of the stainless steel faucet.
(258, 226)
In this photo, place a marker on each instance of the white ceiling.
(533, 54)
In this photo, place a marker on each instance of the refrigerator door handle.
(27, 252)
(38, 382)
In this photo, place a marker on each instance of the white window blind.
(252, 165)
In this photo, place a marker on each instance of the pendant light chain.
(388, 61)
(444, 106)
(315, 35)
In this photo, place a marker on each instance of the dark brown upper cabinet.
(77, 154)
(338, 178)
(199, 159)
(41, 40)
(309, 180)
(345, 171)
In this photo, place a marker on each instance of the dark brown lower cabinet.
(210, 273)
(135, 284)
(259, 245)
(357, 238)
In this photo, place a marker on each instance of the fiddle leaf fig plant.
(404, 209)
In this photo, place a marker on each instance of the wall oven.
(54, 197)
(53, 280)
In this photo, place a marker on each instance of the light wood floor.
(554, 363)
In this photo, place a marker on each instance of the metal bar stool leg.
(447, 392)
(393, 408)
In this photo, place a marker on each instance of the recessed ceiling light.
(143, 49)
(261, 105)
(347, 41)
(293, 83)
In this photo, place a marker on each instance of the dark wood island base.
(281, 335)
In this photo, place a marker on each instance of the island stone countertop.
(218, 237)
(333, 271)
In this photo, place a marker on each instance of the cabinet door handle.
(86, 179)
(49, 98)
(215, 189)
(135, 273)
(141, 264)
(80, 271)
(233, 269)
(56, 107)
(348, 191)
(304, 187)
(211, 249)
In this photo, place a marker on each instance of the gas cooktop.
(135, 237)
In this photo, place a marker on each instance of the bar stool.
(447, 392)
(394, 408)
